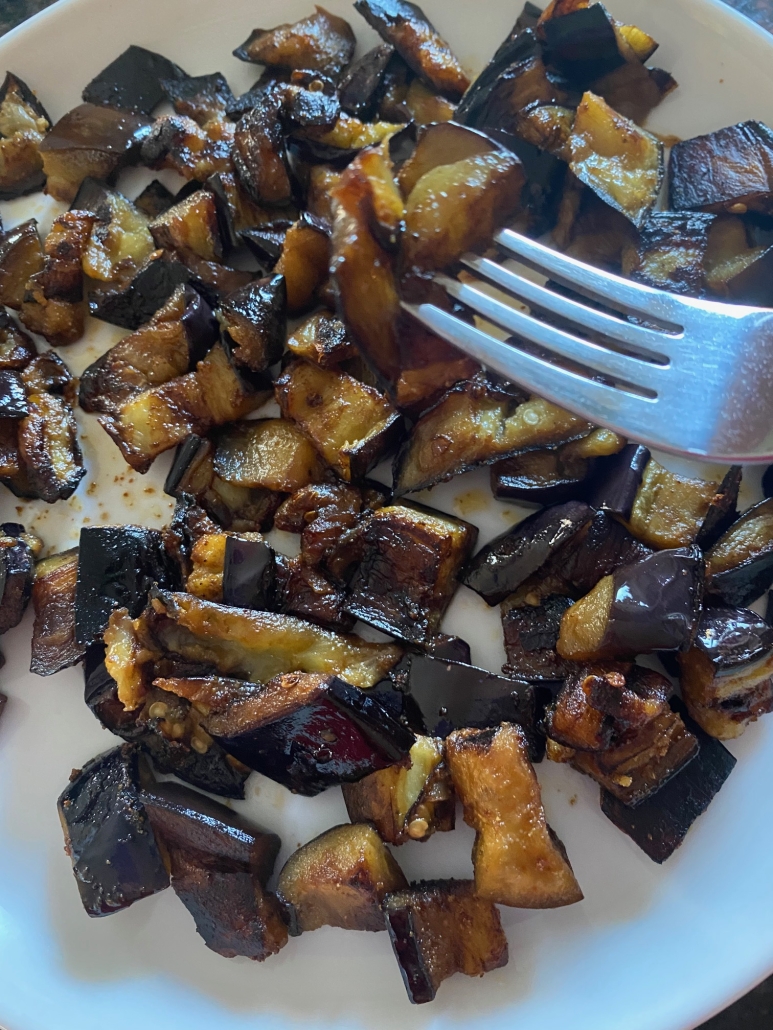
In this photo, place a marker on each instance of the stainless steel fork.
(694, 377)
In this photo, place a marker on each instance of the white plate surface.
(650, 948)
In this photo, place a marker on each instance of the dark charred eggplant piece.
(271, 453)
(406, 27)
(219, 866)
(311, 732)
(168, 728)
(13, 395)
(622, 163)
(503, 565)
(54, 645)
(108, 836)
(723, 511)
(727, 676)
(266, 243)
(174, 340)
(519, 46)
(255, 319)
(17, 572)
(670, 253)
(191, 225)
(660, 824)
(251, 98)
(50, 455)
(407, 576)
(634, 90)
(117, 567)
(307, 593)
(237, 213)
(323, 340)
(531, 634)
(154, 199)
(260, 645)
(448, 649)
(406, 803)
(160, 418)
(21, 257)
(195, 152)
(648, 606)
(740, 565)
(618, 481)
(582, 45)
(727, 170)
(518, 860)
(188, 523)
(16, 348)
(193, 473)
(441, 927)
(670, 510)
(451, 695)
(53, 304)
(89, 141)
(201, 97)
(352, 425)
(321, 42)
(23, 125)
(133, 81)
(133, 305)
(483, 424)
(249, 574)
(322, 512)
(339, 879)
(361, 88)
(259, 155)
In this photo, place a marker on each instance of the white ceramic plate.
(650, 948)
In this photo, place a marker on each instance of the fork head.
(689, 376)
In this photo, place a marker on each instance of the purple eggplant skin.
(519, 46)
(117, 567)
(13, 395)
(536, 478)
(262, 305)
(617, 481)
(250, 575)
(723, 511)
(743, 583)
(448, 649)
(135, 304)
(582, 45)
(116, 860)
(133, 81)
(503, 565)
(17, 574)
(660, 824)
(453, 696)
(531, 634)
(361, 87)
(198, 96)
(656, 603)
(155, 199)
(340, 736)
(731, 637)
(597, 550)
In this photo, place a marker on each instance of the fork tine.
(603, 286)
(654, 343)
(597, 402)
(596, 358)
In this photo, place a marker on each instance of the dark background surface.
(755, 1011)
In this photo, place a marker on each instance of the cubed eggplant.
(582, 45)
(200, 97)
(531, 634)
(260, 645)
(406, 27)
(518, 859)
(17, 573)
(352, 425)
(108, 836)
(21, 257)
(267, 242)
(133, 305)
(23, 125)
(259, 154)
(622, 163)
(670, 252)
(161, 417)
(154, 199)
(407, 576)
(133, 81)
(483, 425)
(54, 644)
(519, 46)
(237, 213)
(339, 879)
(219, 865)
(190, 226)
(362, 85)
(119, 242)
(323, 340)
(255, 319)
(322, 513)
(727, 170)
(237, 508)
(195, 152)
(51, 462)
(648, 606)
(441, 927)
(618, 481)
(503, 565)
(634, 90)
(304, 263)
(173, 341)
(727, 676)
(406, 802)
(451, 695)
(271, 453)
(249, 574)
(669, 510)
(117, 567)
(740, 564)
(321, 42)
(660, 824)
(89, 140)
(448, 649)
(307, 593)
(311, 732)
(13, 395)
